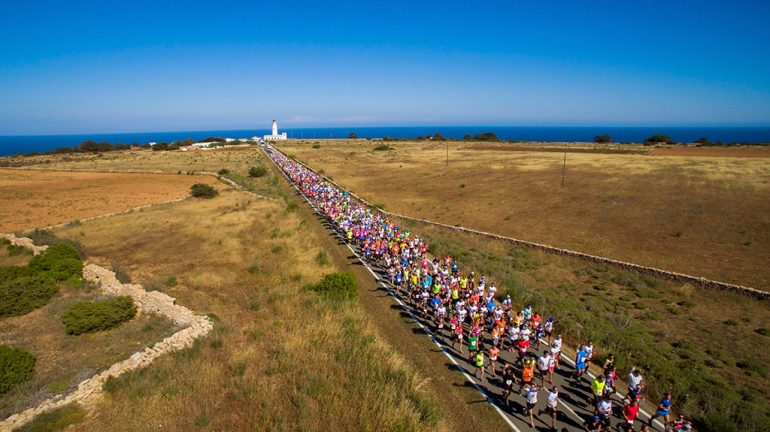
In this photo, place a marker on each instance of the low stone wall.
(156, 302)
(24, 242)
(652, 271)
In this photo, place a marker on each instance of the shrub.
(602, 139)
(223, 171)
(16, 366)
(658, 139)
(14, 250)
(89, 316)
(22, 295)
(316, 146)
(383, 147)
(322, 258)
(171, 281)
(202, 190)
(60, 262)
(257, 171)
(337, 286)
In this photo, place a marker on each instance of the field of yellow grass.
(280, 358)
(708, 216)
(35, 198)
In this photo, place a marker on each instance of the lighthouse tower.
(275, 136)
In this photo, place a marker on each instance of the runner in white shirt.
(550, 405)
(542, 366)
(605, 411)
(556, 349)
(530, 391)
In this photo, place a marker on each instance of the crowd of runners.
(465, 309)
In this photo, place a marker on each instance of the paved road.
(573, 407)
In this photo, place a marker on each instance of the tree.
(88, 146)
(703, 141)
(602, 139)
(487, 136)
(438, 137)
(658, 139)
(104, 147)
(160, 146)
(352, 135)
(467, 137)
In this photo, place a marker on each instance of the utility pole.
(564, 167)
(447, 154)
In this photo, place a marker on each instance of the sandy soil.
(33, 199)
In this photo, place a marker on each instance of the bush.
(202, 190)
(90, 316)
(257, 171)
(60, 262)
(337, 286)
(16, 366)
(383, 147)
(316, 146)
(22, 295)
(223, 171)
(602, 139)
(658, 139)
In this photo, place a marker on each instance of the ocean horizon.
(15, 144)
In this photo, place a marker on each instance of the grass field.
(33, 198)
(63, 361)
(703, 215)
(280, 358)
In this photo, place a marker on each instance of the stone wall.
(24, 242)
(90, 390)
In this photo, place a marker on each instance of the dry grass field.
(704, 215)
(280, 357)
(34, 198)
(63, 360)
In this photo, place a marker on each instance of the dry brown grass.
(280, 358)
(147, 161)
(706, 216)
(33, 199)
(63, 360)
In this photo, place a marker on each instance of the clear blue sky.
(103, 66)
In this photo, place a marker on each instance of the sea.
(16, 144)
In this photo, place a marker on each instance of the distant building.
(274, 136)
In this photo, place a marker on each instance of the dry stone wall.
(156, 302)
(24, 242)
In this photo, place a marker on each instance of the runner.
(597, 389)
(663, 410)
(543, 367)
(635, 384)
(479, 362)
(509, 379)
(604, 409)
(530, 392)
(493, 353)
(630, 411)
(550, 405)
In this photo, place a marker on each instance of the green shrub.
(16, 366)
(223, 171)
(60, 262)
(383, 147)
(337, 286)
(56, 420)
(257, 171)
(15, 250)
(202, 190)
(22, 295)
(322, 258)
(171, 281)
(89, 316)
(316, 146)
(7, 274)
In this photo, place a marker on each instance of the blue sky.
(77, 67)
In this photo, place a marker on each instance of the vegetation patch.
(257, 171)
(383, 147)
(60, 262)
(56, 420)
(16, 366)
(22, 295)
(202, 190)
(337, 286)
(90, 316)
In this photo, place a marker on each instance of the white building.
(274, 136)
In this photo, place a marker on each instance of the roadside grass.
(675, 332)
(698, 215)
(281, 357)
(56, 420)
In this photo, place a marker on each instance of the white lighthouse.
(274, 136)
